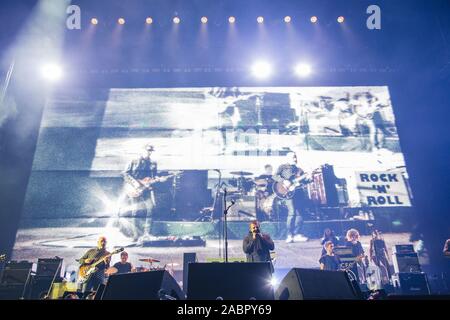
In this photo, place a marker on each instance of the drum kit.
(168, 267)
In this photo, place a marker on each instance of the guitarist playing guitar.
(93, 256)
(287, 180)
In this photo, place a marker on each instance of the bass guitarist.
(90, 257)
(287, 179)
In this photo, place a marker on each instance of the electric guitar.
(86, 270)
(134, 188)
(286, 189)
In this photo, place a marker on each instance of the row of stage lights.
(263, 69)
(259, 69)
(231, 20)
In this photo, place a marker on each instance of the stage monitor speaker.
(142, 286)
(230, 281)
(38, 287)
(311, 284)
(411, 283)
(188, 257)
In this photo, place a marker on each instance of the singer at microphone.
(257, 245)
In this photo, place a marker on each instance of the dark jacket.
(258, 250)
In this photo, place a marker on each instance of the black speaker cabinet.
(230, 281)
(188, 257)
(311, 284)
(38, 287)
(411, 283)
(142, 286)
(11, 292)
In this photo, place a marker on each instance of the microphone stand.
(58, 270)
(225, 212)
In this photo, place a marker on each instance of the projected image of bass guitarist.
(288, 180)
(140, 176)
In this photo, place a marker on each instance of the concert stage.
(70, 244)
(169, 127)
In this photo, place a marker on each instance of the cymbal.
(149, 260)
(241, 173)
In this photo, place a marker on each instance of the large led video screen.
(164, 163)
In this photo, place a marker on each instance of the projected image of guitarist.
(288, 179)
(139, 177)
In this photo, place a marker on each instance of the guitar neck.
(100, 260)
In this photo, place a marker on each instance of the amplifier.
(16, 273)
(406, 262)
(14, 265)
(49, 267)
(411, 283)
(403, 248)
(344, 252)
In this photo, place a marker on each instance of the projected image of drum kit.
(242, 185)
(250, 195)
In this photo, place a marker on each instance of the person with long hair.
(361, 262)
(328, 235)
(379, 255)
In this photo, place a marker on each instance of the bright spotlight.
(260, 19)
(204, 20)
(261, 69)
(273, 282)
(231, 19)
(303, 70)
(287, 19)
(51, 72)
(149, 20)
(314, 19)
(176, 20)
(121, 21)
(94, 21)
(340, 19)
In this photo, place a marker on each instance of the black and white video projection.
(204, 141)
